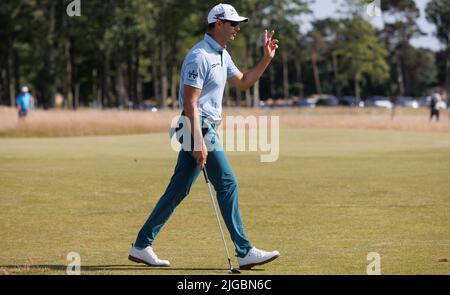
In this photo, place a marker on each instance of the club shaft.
(217, 216)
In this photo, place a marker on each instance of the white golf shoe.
(146, 256)
(257, 257)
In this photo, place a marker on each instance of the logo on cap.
(219, 15)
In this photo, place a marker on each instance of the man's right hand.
(200, 156)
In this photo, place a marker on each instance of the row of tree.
(121, 53)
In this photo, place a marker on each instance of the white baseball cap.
(24, 89)
(224, 12)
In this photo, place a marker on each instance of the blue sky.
(327, 8)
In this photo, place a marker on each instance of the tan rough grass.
(56, 123)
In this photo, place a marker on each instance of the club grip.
(205, 175)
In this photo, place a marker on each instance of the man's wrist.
(267, 59)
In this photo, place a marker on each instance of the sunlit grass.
(332, 197)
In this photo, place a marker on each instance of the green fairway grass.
(332, 197)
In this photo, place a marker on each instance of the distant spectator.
(434, 108)
(394, 101)
(448, 105)
(24, 101)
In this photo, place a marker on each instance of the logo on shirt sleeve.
(192, 75)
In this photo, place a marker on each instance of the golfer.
(205, 70)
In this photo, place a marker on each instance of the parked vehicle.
(350, 101)
(308, 103)
(147, 106)
(378, 101)
(406, 102)
(424, 101)
(274, 104)
(329, 101)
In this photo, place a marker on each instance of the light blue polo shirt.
(207, 66)
(24, 100)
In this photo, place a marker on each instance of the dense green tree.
(438, 12)
(399, 17)
(362, 54)
(122, 53)
(420, 70)
(324, 42)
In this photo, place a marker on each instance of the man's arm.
(190, 99)
(246, 80)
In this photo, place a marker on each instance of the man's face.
(229, 30)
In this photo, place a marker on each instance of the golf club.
(233, 270)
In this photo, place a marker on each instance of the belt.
(210, 120)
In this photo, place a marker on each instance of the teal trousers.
(186, 172)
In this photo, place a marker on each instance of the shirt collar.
(213, 43)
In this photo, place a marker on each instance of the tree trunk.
(106, 85)
(256, 47)
(336, 75)
(94, 87)
(238, 97)
(11, 79)
(272, 88)
(51, 56)
(163, 73)
(120, 87)
(400, 79)
(96, 91)
(76, 99)
(139, 90)
(284, 57)
(173, 87)
(256, 97)
(249, 62)
(248, 98)
(129, 77)
(3, 86)
(155, 80)
(447, 72)
(16, 64)
(357, 94)
(298, 71)
(137, 93)
(68, 95)
(316, 71)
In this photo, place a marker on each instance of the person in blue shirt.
(204, 73)
(24, 101)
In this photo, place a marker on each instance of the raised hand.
(270, 44)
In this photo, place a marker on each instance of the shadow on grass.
(108, 267)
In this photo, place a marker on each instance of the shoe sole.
(249, 266)
(137, 260)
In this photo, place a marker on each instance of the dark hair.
(211, 26)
